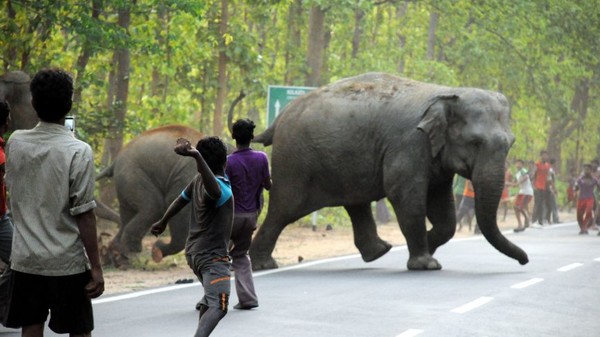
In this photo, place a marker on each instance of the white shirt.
(525, 187)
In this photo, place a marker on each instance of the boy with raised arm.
(211, 220)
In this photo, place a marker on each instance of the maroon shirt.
(247, 171)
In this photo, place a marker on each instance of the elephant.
(14, 88)
(377, 135)
(148, 161)
(148, 176)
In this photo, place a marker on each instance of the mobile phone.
(70, 123)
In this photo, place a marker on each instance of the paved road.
(478, 293)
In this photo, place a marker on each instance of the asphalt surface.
(479, 292)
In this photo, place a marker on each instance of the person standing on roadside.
(552, 211)
(540, 191)
(6, 226)
(248, 171)
(585, 187)
(524, 197)
(50, 177)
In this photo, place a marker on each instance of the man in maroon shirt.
(248, 171)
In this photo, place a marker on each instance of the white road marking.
(597, 259)
(472, 305)
(114, 298)
(527, 283)
(570, 267)
(410, 333)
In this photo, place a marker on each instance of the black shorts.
(64, 296)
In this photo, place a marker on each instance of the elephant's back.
(150, 156)
(371, 94)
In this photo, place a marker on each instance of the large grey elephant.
(376, 135)
(148, 176)
(14, 88)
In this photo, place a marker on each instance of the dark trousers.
(244, 224)
(541, 204)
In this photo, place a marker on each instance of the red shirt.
(3, 207)
(541, 175)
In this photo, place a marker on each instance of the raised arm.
(185, 148)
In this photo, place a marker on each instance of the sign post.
(279, 96)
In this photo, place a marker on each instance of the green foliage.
(535, 52)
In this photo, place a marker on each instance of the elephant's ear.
(435, 123)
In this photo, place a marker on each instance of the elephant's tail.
(265, 138)
(106, 173)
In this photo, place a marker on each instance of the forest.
(139, 64)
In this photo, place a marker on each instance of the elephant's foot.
(423, 262)
(117, 256)
(263, 263)
(157, 254)
(373, 251)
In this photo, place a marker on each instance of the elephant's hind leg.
(366, 239)
(178, 227)
(441, 214)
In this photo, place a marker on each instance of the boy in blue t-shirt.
(211, 221)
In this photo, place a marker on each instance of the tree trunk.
(122, 88)
(294, 40)
(83, 59)
(433, 20)
(400, 15)
(316, 46)
(359, 14)
(107, 193)
(563, 128)
(11, 53)
(222, 91)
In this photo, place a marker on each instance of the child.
(206, 249)
(585, 201)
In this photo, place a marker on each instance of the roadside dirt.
(295, 243)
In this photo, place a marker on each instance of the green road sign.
(280, 96)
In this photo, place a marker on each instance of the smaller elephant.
(148, 176)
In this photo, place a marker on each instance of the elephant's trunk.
(488, 182)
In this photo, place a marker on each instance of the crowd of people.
(52, 253)
(536, 181)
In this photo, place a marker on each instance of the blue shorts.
(215, 277)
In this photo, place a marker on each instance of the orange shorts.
(522, 201)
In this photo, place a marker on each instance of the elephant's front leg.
(370, 245)
(410, 206)
(441, 213)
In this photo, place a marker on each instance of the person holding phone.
(50, 177)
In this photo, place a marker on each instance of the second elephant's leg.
(440, 211)
(179, 228)
(366, 239)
